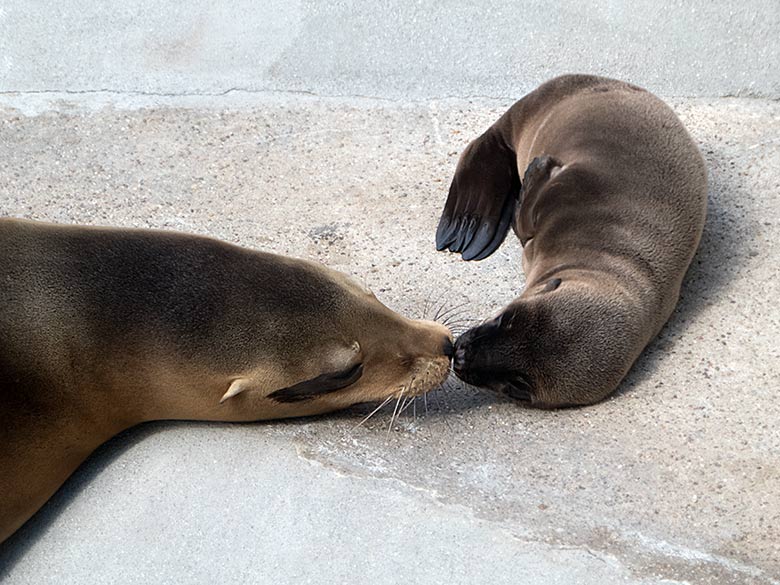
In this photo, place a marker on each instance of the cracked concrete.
(450, 545)
(674, 480)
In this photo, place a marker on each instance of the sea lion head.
(337, 345)
(545, 348)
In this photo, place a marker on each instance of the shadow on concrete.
(443, 402)
(455, 397)
(714, 267)
(16, 547)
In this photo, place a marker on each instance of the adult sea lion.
(610, 211)
(102, 329)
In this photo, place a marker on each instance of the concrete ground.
(247, 123)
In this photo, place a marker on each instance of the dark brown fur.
(610, 213)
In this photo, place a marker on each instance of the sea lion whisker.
(412, 400)
(373, 412)
(439, 408)
(444, 309)
(456, 318)
(404, 403)
(447, 386)
(435, 395)
(395, 410)
(452, 309)
(429, 304)
(426, 306)
(435, 301)
(460, 314)
(456, 324)
(458, 305)
(459, 311)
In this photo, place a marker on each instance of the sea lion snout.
(487, 355)
(432, 351)
(448, 347)
(441, 337)
(434, 344)
(477, 355)
(427, 338)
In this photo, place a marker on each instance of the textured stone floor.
(674, 480)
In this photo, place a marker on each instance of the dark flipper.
(318, 386)
(482, 199)
(539, 170)
(535, 179)
(520, 389)
(478, 250)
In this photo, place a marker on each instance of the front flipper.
(306, 390)
(482, 199)
(318, 386)
(342, 367)
(537, 176)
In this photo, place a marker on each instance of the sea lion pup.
(102, 329)
(609, 212)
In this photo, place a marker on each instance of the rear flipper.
(482, 199)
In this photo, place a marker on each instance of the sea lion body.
(101, 329)
(610, 211)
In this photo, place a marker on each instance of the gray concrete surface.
(398, 48)
(675, 480)
(254, 123)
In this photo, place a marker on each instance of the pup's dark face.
(500, 354)
(561, 346)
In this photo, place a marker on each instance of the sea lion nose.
(458, 357)
(447, 347)
(459, 361)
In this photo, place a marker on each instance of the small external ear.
(236, 387)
